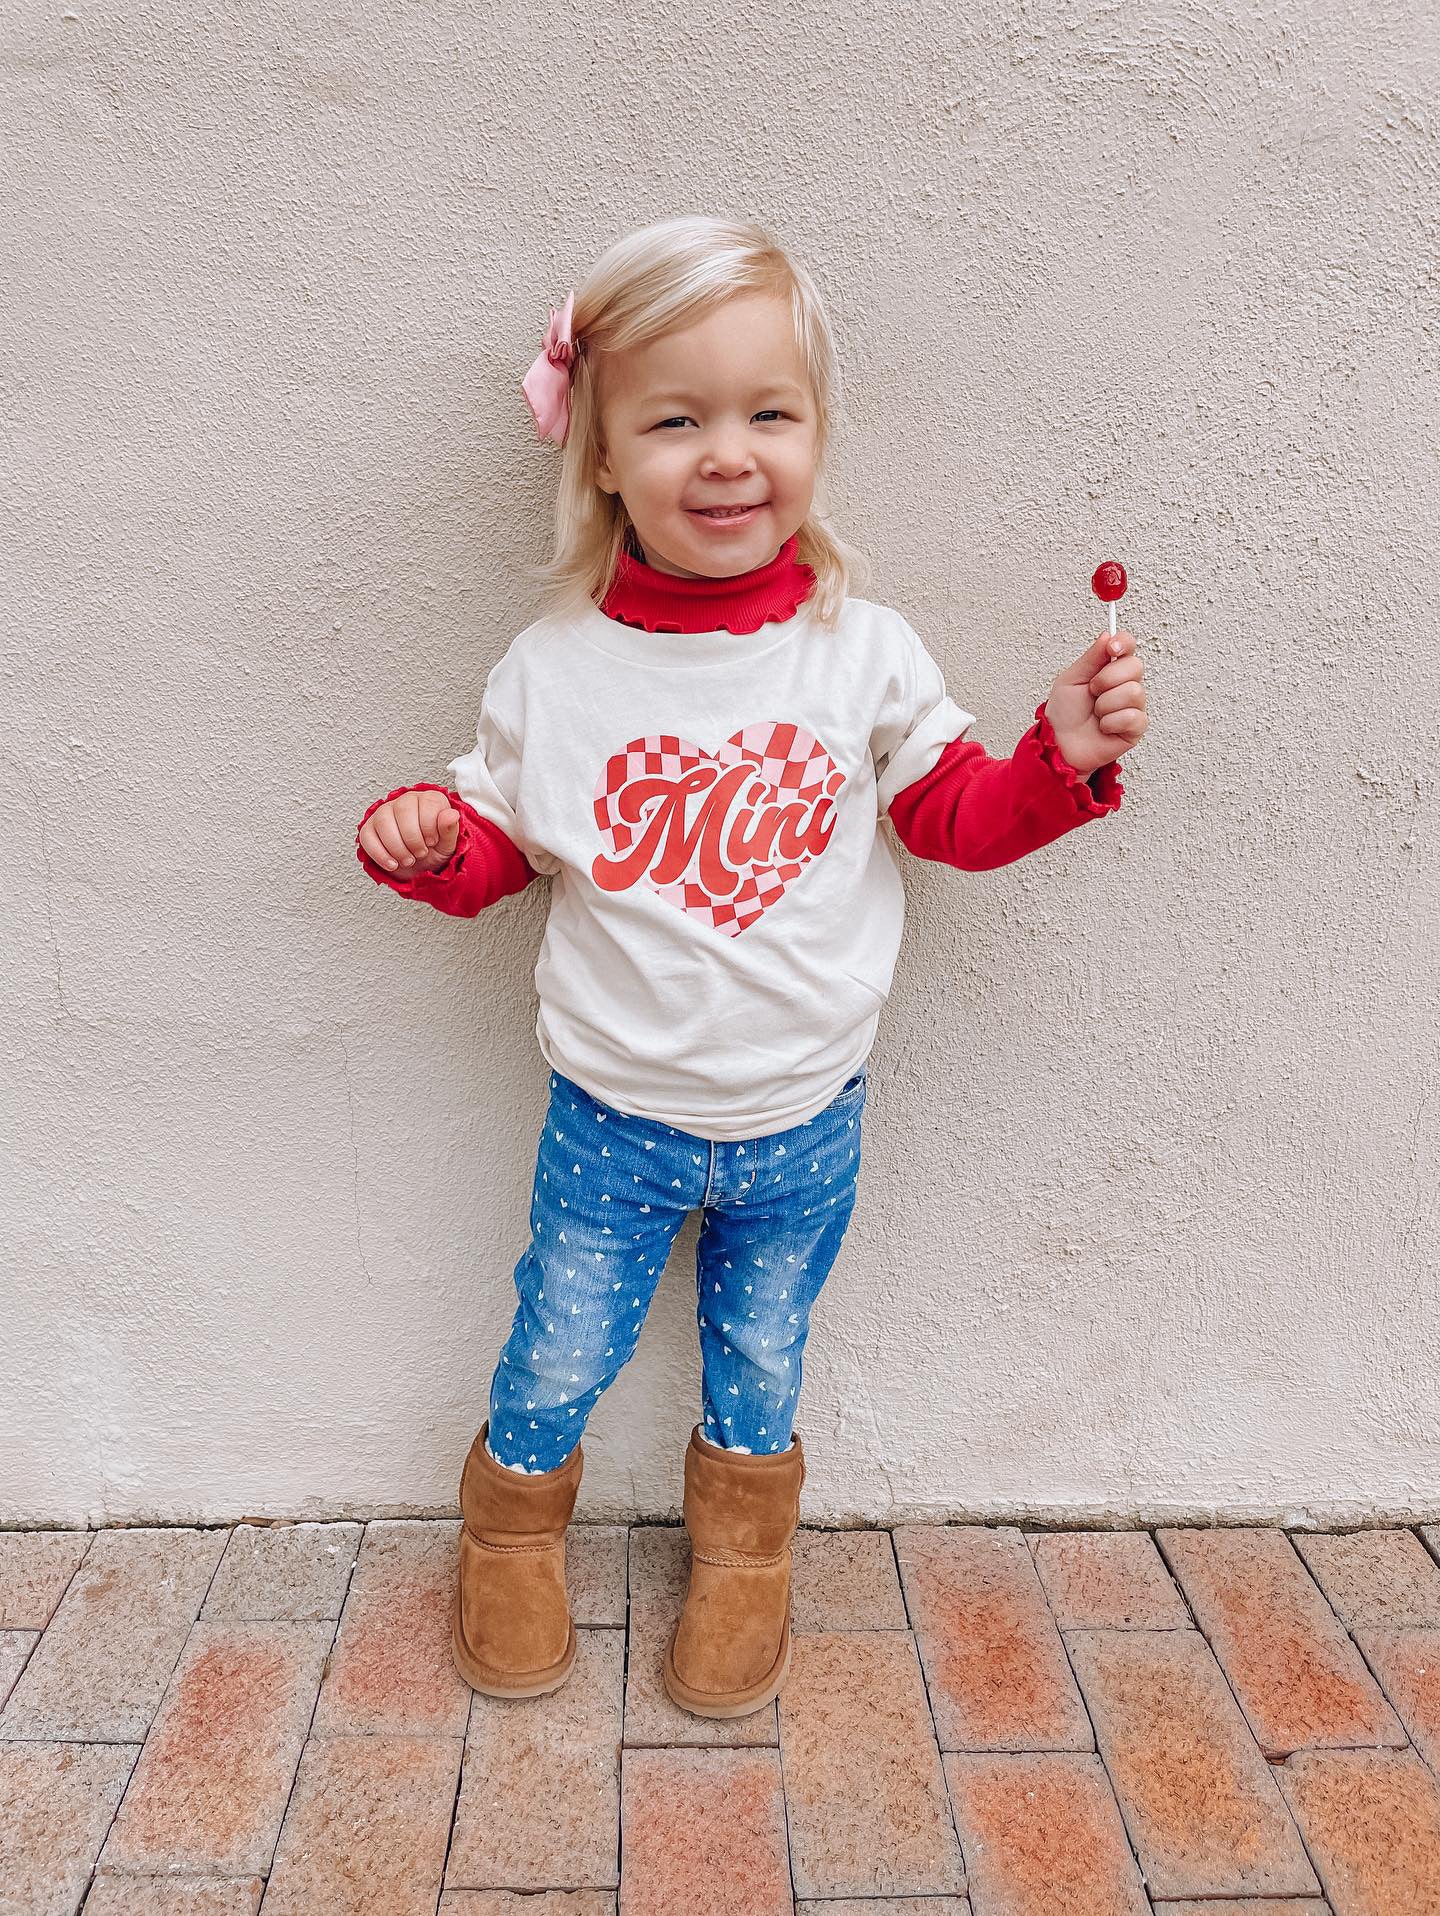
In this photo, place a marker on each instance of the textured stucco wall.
(1147, 1221)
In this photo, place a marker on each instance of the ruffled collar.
(658, 601)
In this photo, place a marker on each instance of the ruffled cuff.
(426, 886)
(1094, 796)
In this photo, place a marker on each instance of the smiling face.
(720, 414)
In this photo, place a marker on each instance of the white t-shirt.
(725, 915)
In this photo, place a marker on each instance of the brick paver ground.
(979, 1720)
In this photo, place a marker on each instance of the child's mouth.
(727, 516)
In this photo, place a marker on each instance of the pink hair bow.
(547, 384)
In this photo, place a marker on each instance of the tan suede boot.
(730, 1650)
(510, 1627)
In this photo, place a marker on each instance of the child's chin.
(733, 551)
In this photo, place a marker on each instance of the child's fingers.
(373, 845)
(409, 830)
(381, 838)
(437, 817)
(1118, 672)
(1120, 698)
(1102, 650)
(411, 818)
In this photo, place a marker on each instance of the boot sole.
(490, 1682)
(733, 1703)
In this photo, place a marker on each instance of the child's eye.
(680, 418)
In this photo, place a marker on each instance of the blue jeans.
(611, 1192)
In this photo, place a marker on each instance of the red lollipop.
(1108, 583)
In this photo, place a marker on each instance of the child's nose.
(728, 452)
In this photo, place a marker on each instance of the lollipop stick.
(1112, 618)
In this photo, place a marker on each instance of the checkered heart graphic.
(720, 834)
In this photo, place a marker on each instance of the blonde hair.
(658, 280)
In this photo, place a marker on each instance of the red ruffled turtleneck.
(969, 810)
(640, 594)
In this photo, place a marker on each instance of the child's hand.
(1098, 709)
(415, 832)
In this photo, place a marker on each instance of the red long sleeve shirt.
(969, 810)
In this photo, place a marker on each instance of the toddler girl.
(695, 744)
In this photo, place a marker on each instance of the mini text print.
(720, 834)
